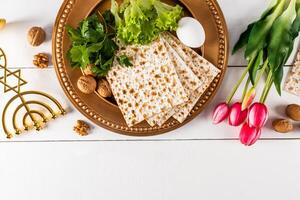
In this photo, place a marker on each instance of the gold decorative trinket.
(35, 113)
(2, 23)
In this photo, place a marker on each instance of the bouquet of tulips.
(268, 44)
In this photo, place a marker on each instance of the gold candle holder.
(33, 118)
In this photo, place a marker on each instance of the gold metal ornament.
(33, 118)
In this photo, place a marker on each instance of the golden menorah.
(32, 118)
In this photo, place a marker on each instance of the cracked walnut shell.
(82, 128)
(41, 60)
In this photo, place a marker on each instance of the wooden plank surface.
(61, 128)
(14, 41)
(194, 170)
(198, 161)
(20, 55)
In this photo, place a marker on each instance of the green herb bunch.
(268, 44)
(93, 44)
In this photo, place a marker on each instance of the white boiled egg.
(190, 32)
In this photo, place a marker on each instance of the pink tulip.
(220, 113)
(248, 99)
(249, 135)
(236, 115)
(258, 115)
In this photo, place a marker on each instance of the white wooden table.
(198, 161)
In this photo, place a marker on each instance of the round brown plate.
(103, 112)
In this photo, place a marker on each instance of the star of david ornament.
(36, 114)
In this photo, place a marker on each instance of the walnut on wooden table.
(82, 128)
(36, 36)
(41, 60)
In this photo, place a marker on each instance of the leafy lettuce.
(141, 21)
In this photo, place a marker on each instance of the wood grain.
(198, 161)
(61, 129)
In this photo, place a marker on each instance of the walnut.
(41, 60)
(282, 126)
(36, 36)
(293, 112)
(2, 23)
(104, 88)
(88, 70)
(82, 128)
(87, 84)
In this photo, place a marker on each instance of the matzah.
(150, 87)
(188, 79)
(292, 84)
(205, 71)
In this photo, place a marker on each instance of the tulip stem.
(261, 73)
(229, 98)
(267, 88)
(263, 69)
(246, 88)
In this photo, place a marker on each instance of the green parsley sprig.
(93, 44)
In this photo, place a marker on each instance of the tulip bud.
(248, 99)
(236, 115)
(249, 135)
(220, 113)
(258, 115)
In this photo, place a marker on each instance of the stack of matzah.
(292, 84)
(167, 80)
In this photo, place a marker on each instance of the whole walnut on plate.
(36, 36)
(103, 88)
(87, 84)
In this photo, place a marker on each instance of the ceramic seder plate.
(106, 113)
